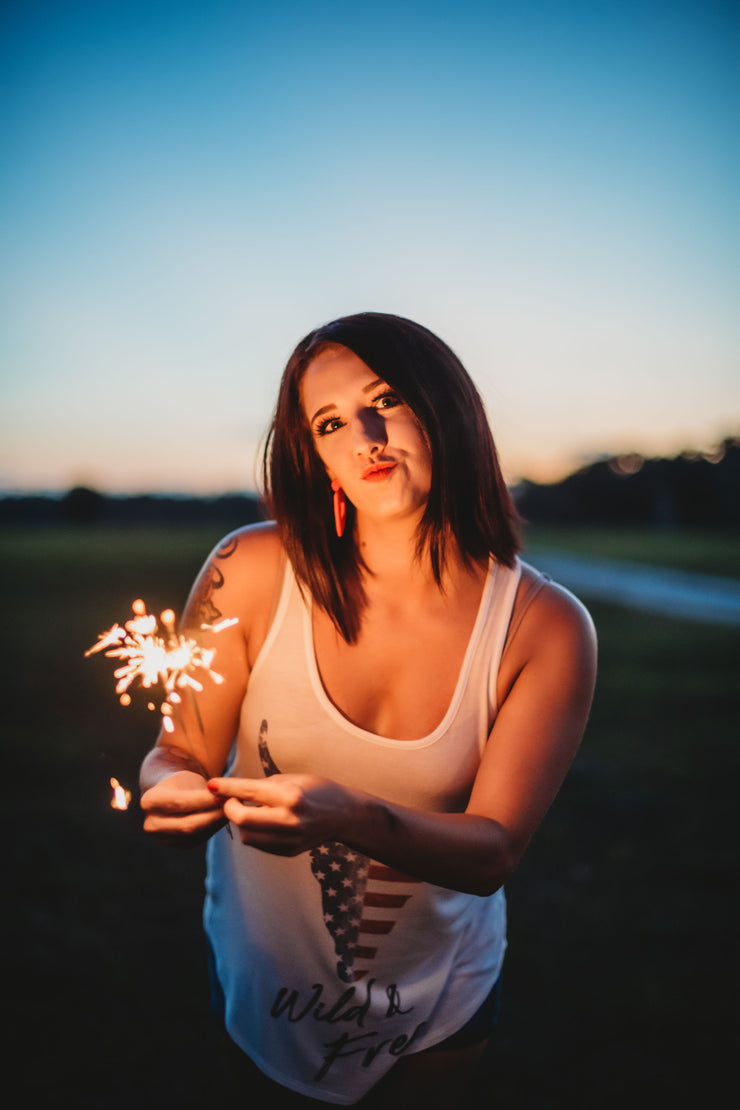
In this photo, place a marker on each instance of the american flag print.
(360, 899)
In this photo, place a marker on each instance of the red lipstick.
(378, 471)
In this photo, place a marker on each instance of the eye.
(387, 400)
(327, 426)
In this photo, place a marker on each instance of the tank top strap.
(286, 592)
(501, 607)
(532, 588)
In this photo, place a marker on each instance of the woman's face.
(366, 436)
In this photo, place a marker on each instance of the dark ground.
(620, 979)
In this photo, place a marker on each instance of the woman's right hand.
(181, 811)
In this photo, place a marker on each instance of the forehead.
(334, 372)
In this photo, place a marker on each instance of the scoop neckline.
(388, 741)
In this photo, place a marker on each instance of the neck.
(388, 546)
(388, 549)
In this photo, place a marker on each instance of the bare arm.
(237, 580)
(532, 744)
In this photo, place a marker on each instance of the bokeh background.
(188, 188)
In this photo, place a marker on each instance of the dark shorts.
(480, 1026)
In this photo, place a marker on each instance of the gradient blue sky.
(189, 187)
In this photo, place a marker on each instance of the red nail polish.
(212, 787)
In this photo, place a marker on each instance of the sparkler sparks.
(168, 659)
(121, 797)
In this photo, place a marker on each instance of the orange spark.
(121, 797)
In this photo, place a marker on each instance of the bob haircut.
(468, 503)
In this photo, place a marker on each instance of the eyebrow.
(365, 389)
(373, 385)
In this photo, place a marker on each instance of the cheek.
(429, 466)
(323, 450)
(423, 449)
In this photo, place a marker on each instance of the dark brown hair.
(468, 501)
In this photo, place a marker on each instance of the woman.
(402, 700)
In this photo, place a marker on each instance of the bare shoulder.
(552, 632)
(554, 611)
(255, 548)
(239, 578)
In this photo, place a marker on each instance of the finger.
(275, 791)
(274, 818)
(201, 836)
(268, 842)
(182, 801)
(184, 826)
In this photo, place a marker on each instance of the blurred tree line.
(694, 489)
(84, 506)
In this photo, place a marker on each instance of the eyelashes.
(386, 399)
(387, 395)
(326, 427)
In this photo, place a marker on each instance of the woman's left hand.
(283, 814)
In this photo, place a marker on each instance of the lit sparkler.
(170, 660)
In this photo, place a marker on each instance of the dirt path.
(639, 586)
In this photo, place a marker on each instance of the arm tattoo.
(227, 547)
(205, 611)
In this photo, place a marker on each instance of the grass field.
(699, 551)
(620, 976)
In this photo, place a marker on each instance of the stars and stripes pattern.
(360, 899)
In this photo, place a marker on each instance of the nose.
(369, 432)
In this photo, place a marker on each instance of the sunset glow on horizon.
(191, 187)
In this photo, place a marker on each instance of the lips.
(378, 472)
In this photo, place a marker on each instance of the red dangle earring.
(340, 508)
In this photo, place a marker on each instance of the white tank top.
(333, 965)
